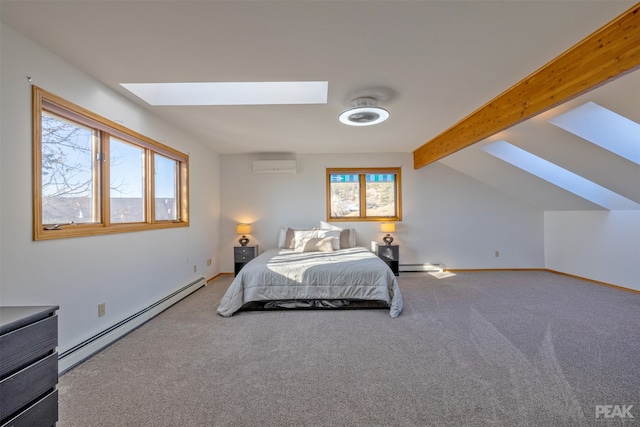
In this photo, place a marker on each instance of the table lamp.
(388, 227)
(243, 229)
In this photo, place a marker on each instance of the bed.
(293, 278)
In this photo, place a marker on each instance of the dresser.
(28, 366)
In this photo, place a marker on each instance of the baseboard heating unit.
(426, 267)
(91, 346)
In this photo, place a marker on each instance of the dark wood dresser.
(28, 366)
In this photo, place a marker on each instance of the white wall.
(448, 218)
(126, 271)
(602, 246)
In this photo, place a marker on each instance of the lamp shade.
(243, 228)
(388, 227)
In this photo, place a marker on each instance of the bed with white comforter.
(286, 275)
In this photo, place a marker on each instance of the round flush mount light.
(363, 112)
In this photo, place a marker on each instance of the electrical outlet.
(102, 309)
(497, 254)
(209, 262)
(195, 268)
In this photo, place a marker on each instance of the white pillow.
(300, 235)
(348, 241)
(318, 244)
(282, 236)
(335, 237)
(327, 226)
(285, 238)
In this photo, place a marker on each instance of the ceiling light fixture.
(363, 112)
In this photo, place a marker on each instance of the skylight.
(559, 176)
(604, 128)
(230, 93)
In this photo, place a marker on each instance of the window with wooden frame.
(364, 194)
(93, 176)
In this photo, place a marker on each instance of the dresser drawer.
(22, 346)
(44, 412)
(27, 385)
(243, 253)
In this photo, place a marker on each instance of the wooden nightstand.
(390, 254)
(242, 255)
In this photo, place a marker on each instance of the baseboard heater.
(91, 346)
(408, 268)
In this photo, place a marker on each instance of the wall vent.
(274, 166)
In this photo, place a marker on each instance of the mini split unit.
(274, 166)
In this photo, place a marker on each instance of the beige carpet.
(474, 349)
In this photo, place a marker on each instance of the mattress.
(283, 274)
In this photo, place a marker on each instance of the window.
(93, 176)
(166, 188)
(126, 172)
(356, 194)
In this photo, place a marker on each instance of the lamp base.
(388, 239)
(243, 241)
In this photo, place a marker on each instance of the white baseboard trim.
(91, 346)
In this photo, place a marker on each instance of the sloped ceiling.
(430, 63)
(545, 140)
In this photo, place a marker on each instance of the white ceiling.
(430, 63)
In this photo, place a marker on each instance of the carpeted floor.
(474, 349)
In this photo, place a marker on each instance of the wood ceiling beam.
(608, 53)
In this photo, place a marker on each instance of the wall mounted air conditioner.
(274, 166)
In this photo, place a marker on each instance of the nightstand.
(390, 254)
(242, 255)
